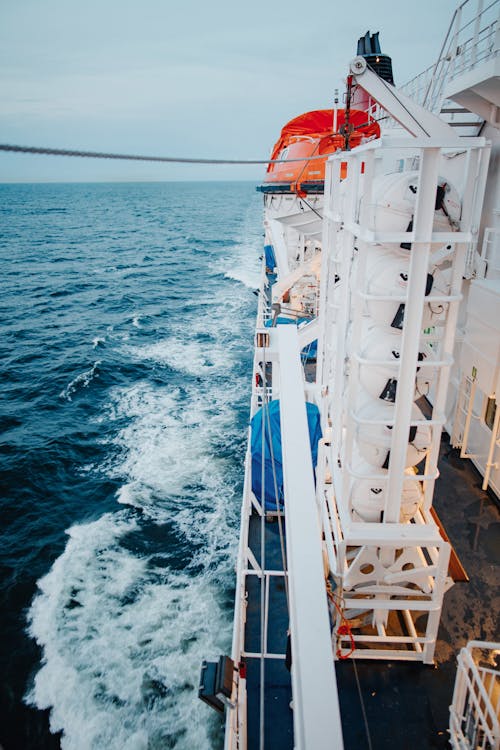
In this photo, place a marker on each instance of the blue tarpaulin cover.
(273, 436)
(270, 258)
(310, 351)
(285, 320)
(282, 320)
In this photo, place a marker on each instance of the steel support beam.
(410, 115)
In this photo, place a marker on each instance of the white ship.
(377, 339)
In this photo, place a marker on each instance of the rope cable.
(41, 150)
(311, 207)
(343, 628)
(263, 634)
(363, 709)
(305, 165)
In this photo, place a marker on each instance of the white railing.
(490, 252)
(474, 713)
(472, 38)
(476, 40)
(264, 312)
(316, 712)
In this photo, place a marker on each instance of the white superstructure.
(395, 272)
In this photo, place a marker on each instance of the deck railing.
(473, 37)
(474, 713)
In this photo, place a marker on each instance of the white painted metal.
(236, 734)
(475, 710)
(288, 281)
(316, 710)
(472, 39)
(481, 347)
(402, 566)
(464, 415)
(414, 118)
(490, 253)
(236, 720)
(419, 262)
(490, 463)
(280, 248)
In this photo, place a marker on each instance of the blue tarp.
(270, 257)
(272, 436)
(310, 351)
(282, 320)
(285, 320)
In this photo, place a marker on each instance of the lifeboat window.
(284, 153)
(489, 412)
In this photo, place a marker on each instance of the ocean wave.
(124, 626)
(140, 596)
(185, 355)
(123, 640)
(246, 277)
(82, 380)
(242, 263)
(167, 446)
(122, 644)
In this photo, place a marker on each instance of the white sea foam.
(243, 264)
(135, 321)
(81, 381)
(166, 449)
(123, 639)
(122, 643)
(246, 273)
(185, 355)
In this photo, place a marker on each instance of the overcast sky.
(184, 78)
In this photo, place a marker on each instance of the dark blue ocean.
(127, 315)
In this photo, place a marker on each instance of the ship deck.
(278, 718)
(395, 702)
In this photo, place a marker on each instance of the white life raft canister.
(380, 381)
(374, 440)
(368, 500)
(394, 201)
(387, 276)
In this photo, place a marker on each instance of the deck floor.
(278, 717)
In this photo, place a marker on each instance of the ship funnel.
(369, 48)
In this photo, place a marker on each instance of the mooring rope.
(42, 150)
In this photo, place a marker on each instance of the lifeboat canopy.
(318, 133)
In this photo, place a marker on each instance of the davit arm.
(418, 121)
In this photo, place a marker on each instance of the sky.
(186, 78)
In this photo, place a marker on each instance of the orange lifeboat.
(312, 134)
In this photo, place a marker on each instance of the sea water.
(127, 316)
